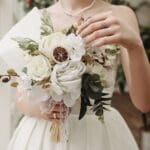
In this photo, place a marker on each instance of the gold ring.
(54, 115)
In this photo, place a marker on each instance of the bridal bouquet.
(60, 67)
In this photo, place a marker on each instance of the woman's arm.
(120, 27)
(33, 110)
(137, 71)
(136, 65)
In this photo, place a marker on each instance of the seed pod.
(5, 79)
(14, 84)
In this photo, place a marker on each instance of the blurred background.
(11, 11)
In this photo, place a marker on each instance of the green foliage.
(46, 24)
(72, 29)
(27, 44)
(11, 72)
(28, 5)
(92, 89)
(7, 77)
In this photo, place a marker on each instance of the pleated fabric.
(87, 134)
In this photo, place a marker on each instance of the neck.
(74, 5)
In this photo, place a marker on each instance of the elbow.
(23, 107)
(141, 101)
(143, 106)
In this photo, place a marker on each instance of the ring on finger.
(103, 25)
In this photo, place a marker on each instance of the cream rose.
(54, 41)
(38, 68)
(66, 82)
(60, 48)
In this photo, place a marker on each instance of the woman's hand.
(121, 27)
(59, 112)
(107, 28)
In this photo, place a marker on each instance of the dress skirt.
(86, 134)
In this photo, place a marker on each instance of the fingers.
(114, 39)
(57, 109)
(57, 115)
(94, 27)
(100, 33)
(109, 22)
(59, 112)
(103, 29)
(92, 20)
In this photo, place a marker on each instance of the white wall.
(6, 16)
(5, 116)
(8, 9)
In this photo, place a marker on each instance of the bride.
(106, 24)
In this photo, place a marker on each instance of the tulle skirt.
(87, 134)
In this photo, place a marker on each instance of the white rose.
(66, 82)
(77, 47)
(24, 83)
(32, 93)
(38, 68)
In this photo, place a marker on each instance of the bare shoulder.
(123, 10)
(126, 13)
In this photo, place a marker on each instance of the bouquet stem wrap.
(55, 132)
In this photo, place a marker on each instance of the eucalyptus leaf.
(92, 85)
(83, 108)
(27, 44)
(25, 70)
(106, 99)
(97, 101)
(46, 25)
(99, 112)
(93, 89)
(105, 94)
(85, 97)
(97, 107)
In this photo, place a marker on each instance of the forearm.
(34, 109)
(27, 108)
(139, 81)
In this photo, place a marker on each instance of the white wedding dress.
(86, 134)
